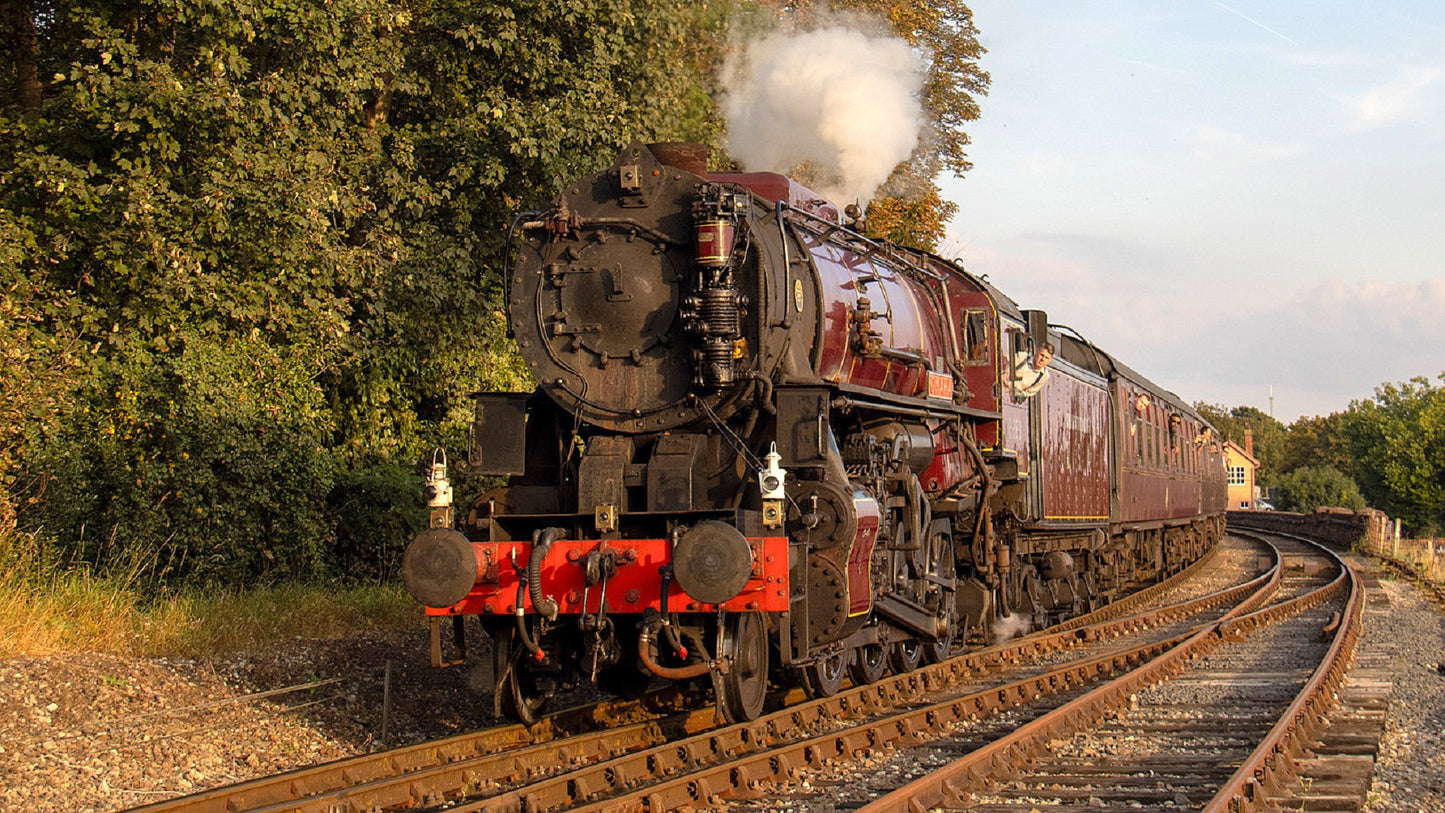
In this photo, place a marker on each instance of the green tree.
(1309, 487)
(318, 187)
(1317, 441)
(1267, 435)
(1397, 439)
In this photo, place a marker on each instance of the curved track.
(1214, 724)
(1189, 695)
(662, 759)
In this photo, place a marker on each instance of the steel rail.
(955, 783)
(1273, 762)
(342, 773)
(783, 759)
(480, 762)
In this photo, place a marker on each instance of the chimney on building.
(1249, 442)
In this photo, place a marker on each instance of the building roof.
(1230, 445)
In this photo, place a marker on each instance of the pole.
(386, 703)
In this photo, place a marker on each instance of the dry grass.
(47, 609)
(1418, 554)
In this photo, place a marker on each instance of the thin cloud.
(1323, 59)
(1255, 22)
(1320, 348)
(1394, 101)
(1333, 343)
(1212, 142)
(1404, 311)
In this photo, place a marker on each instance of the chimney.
(1249, 442)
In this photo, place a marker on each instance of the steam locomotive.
(766, 450)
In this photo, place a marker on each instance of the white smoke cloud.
(843, 101)
(1013, 625)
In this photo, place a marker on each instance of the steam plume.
(1013, 625)
(843, 102)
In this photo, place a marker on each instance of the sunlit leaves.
(1397, 439)
(320, 187)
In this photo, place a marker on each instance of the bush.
(1311, 487)
(376, 511)
(213, 459)
(249, 256)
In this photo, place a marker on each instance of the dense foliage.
(1389, 450)
(1309, 487)
(249, 252)
(1267, 435)
(1397, 439)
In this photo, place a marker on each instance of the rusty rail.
(1273, 762)
(332, 776)
(955, 784)
(482, 763)
(783, 759)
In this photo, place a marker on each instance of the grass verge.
(48, 609)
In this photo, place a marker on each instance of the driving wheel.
(941, 572)
(904, 656)
(823, 677)
(869, 663)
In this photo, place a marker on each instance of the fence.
(1426, 556)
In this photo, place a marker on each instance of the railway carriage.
(765, 449)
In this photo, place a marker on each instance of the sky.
(1243, 201)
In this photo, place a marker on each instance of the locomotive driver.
(1031, 373)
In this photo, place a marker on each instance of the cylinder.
(912, 440)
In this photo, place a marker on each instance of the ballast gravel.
(102, 733)
(1410, 768)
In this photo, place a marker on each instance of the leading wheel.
(741, 692)
(518, 694)
(823, 677)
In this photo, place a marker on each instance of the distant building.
(1240, 465)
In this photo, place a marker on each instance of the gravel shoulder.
(99, 733)
(1410, 768)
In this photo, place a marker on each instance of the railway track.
(600, 751)
(1145, 703)
(1216, 723)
